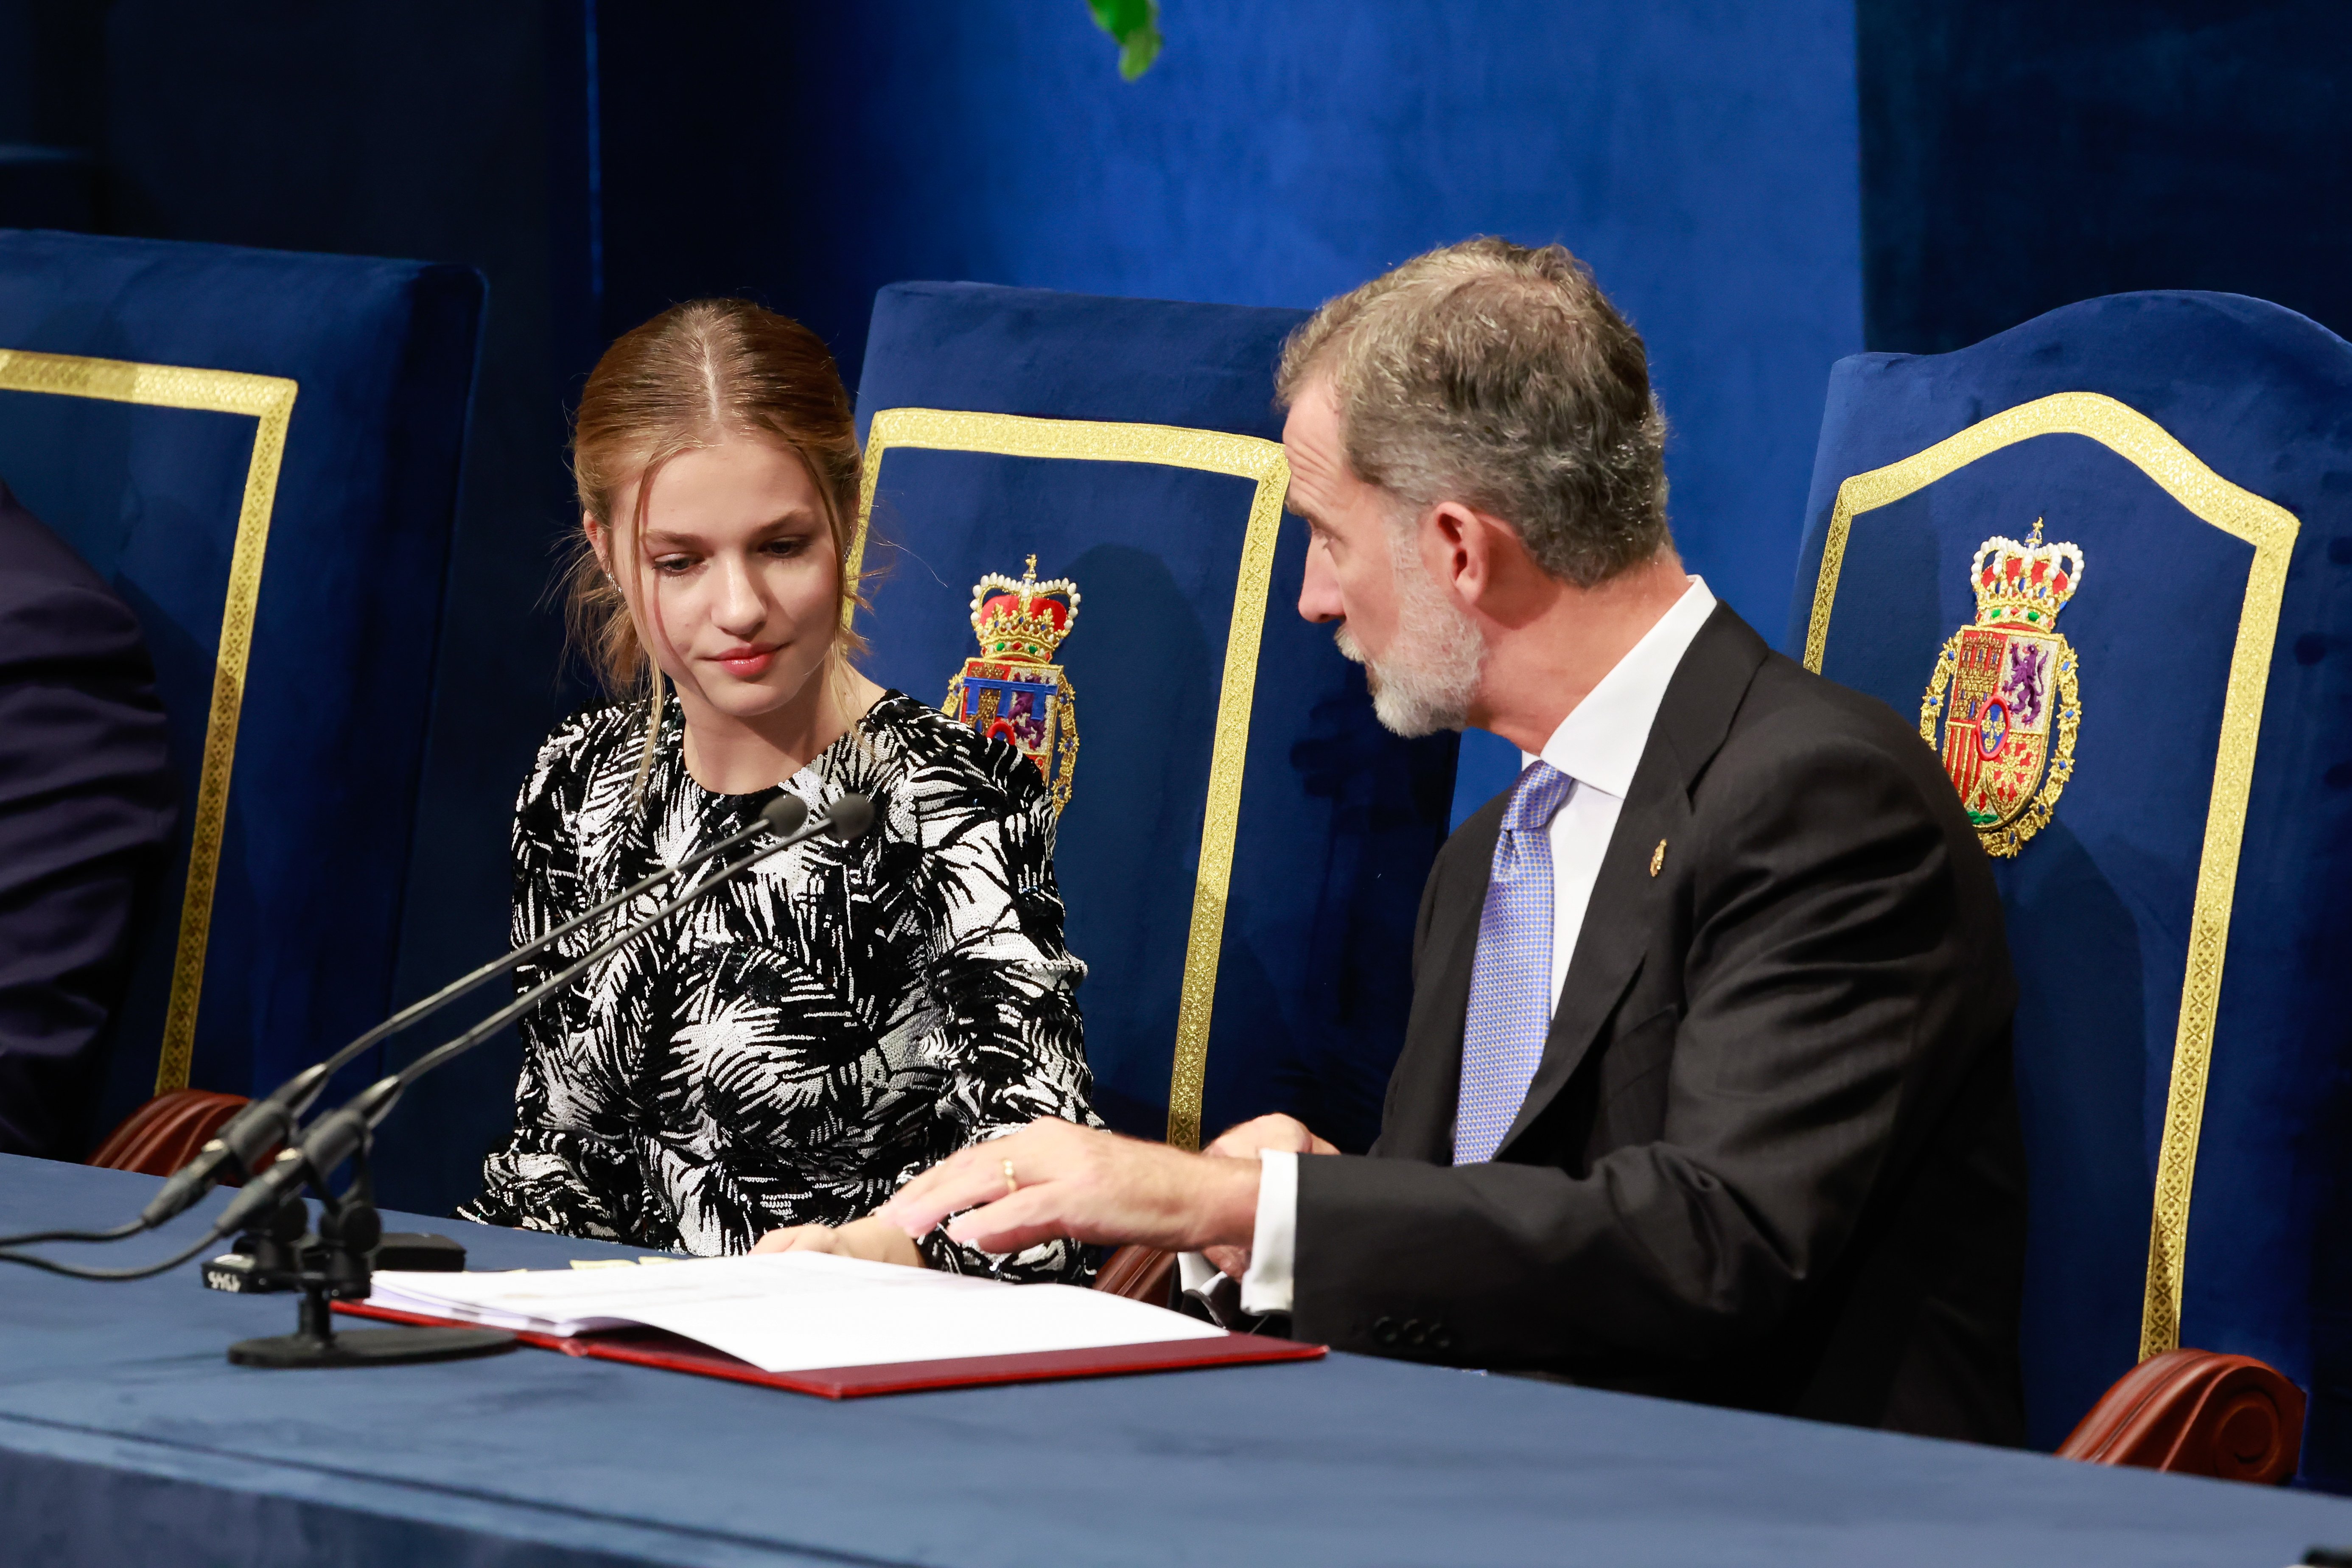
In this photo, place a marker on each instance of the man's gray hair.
(1500, 377)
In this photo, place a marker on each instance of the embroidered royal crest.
(2005, 691)
(1013, 690)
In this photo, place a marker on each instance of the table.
(126, 1438)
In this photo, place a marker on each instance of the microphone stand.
(349, 1228)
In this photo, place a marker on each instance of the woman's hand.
(869, 1238)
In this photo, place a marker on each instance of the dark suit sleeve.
(85, 812)
(1822, 960)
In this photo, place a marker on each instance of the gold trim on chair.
(268, 400)
(2271, 529)
(1211, 451)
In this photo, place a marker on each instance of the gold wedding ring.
(1010, 1185)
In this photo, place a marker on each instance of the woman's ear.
(599, 541)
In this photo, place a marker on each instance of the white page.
(792, 1311)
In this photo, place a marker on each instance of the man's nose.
(1319, 591)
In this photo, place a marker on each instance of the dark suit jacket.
(1770, 1156)
(85, 814)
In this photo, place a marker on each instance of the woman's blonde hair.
(689, 378)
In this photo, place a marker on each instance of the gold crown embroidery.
(1012, 691)
(2005, 690)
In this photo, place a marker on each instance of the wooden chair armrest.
(164, 1134)
(2196, 1413)
(1140, 1274)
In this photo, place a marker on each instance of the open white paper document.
(797, 1311)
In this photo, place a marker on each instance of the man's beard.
(1425, 681)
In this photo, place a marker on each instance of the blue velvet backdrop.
(2018, 155)
(2099, 901)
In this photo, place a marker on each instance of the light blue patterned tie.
(1510, 977)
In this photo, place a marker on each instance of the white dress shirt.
(1598, 745)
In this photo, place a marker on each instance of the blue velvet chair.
(1243, 848)
(2106, 558)
(261, 452)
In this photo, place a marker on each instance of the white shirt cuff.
(1194, 1271)
(1274, 1242)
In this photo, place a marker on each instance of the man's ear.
(1481, 560)
(1456, 549)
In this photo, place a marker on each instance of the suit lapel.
(1628, 903)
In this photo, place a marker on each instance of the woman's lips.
(746, 664)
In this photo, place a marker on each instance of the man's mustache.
(1349, 651)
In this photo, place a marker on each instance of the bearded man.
(1706, 1090)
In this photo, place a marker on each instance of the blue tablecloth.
(125, 1439)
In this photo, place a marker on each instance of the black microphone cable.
(145, 1271)
(275, 1118)
(119, 1233)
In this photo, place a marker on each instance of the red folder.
(652, 1347)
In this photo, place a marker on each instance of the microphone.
(849, 818)
(340, 1133)
(270, 1121)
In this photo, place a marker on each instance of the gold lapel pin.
(1658, 857)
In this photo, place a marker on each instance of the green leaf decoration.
(1136, 25)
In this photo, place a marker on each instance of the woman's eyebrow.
(800, 517)
(661, 538)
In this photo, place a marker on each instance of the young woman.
(783, 1055)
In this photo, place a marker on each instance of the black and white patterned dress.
(792, 1048)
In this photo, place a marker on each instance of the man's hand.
(869, 1238)
(1055, 1179)
(1285, 1134)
